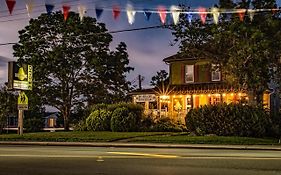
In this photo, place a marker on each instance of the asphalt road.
(51, 160)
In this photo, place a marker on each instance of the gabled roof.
(181, 57)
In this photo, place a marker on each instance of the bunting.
(131, 14)
(251, 14)
(216, 14)
(82, 11)
(29, 7)
(65, 9)
(189, 17)
(99, 12)
(175, 11)
(162, 14)
(147, 14)
(241, 14)
(203, 14)
(11, 4)
(49, 8)
(116, 12)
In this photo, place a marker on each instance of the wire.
(102, 33)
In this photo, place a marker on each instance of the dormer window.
(216, 73)
(189, 73)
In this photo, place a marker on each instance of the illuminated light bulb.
(209, 95)
(223, 95)
(232, 94)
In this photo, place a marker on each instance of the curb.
(139, 145)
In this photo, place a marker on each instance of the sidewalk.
(149, 145)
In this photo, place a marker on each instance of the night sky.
(146, 48)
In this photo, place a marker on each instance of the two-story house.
(193, 83)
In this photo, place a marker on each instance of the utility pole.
(141, 78)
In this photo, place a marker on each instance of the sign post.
(20, 78)
(22, 106)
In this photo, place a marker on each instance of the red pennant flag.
(241, 14)
(116, 11)
(11, 4)
(162, 14)
(203, 14)
(65, 9)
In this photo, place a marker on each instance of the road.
(53, 160)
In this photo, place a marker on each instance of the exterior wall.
(202, 72)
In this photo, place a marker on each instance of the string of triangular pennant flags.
(162, 11)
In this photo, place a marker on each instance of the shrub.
(123, 120)
(33, 124)
(166, 124)
(80, 126)
(99, 120)
(228, 120)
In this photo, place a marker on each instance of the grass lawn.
(138, 137)
(75, 136)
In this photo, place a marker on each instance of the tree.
(8, 106)
(248, 46)
(160, 78)
(72, 61)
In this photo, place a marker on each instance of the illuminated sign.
(145, 97)
(20, 76)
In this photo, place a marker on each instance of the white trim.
(187, 67)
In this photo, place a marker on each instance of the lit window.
(189, 73)
(216, 74)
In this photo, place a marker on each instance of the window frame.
(186, 73)
(215, 70)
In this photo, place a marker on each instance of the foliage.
(248, 46)
(8, 106)
(123, 120)
(80, 126)
(33, 124)
(166, 124)
(160, 78)
(229, 120)
(99, 120)
(70, 66)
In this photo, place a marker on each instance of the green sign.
(20, 76)
(22, 101)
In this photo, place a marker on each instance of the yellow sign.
(22, 100)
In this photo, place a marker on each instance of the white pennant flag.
(216, 14)
(29, 6)
(175, 11)
(131, 14)
(82, 11)
(251, 14)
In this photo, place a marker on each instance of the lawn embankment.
(136, 137)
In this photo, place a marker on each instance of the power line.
(102, 33)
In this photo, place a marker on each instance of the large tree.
(246, 50)
(8, 106)
(72, 61)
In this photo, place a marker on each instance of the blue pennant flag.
(147, 14)
(189, 17)
(99, 12)
(49, 8)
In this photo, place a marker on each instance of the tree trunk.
(66, 113)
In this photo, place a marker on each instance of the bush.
(123, 120)
(166, 124)
(33, 124)
(99, 120)
(229, 120)
(80, 126)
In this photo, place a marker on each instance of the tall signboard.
(20, 76)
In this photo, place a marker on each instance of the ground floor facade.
(177, 102)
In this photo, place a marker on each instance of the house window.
(216, 73)
(189, 73)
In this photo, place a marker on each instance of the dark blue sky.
(146, 48)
